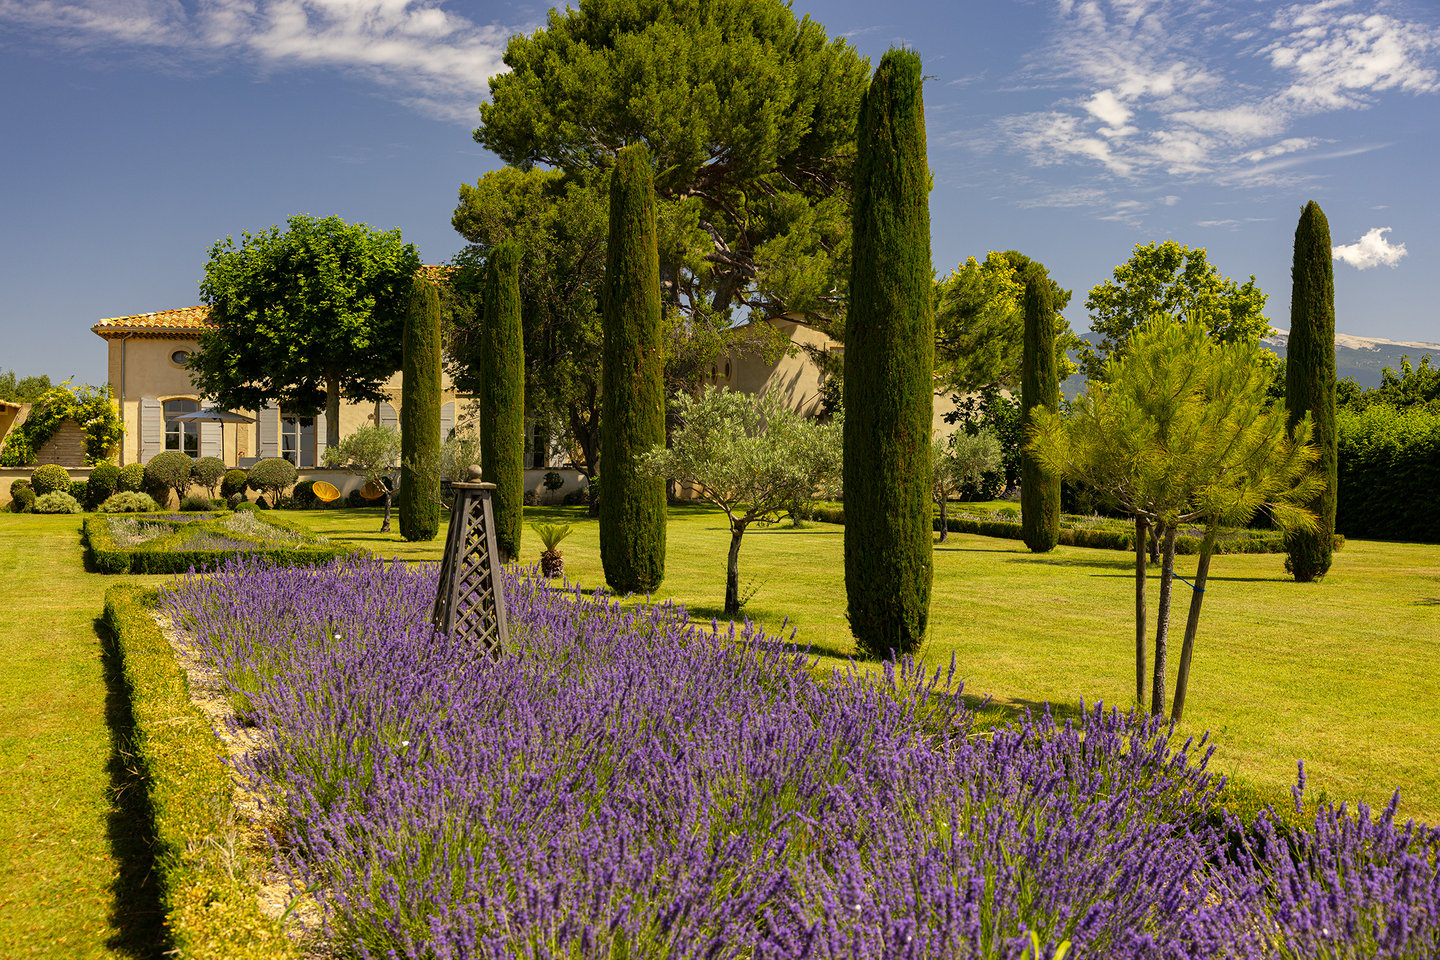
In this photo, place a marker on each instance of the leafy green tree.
(632, 507)
(271, 475)
(1168, 279)
(890, 343)
(302, 316)
(748, 455)
(419, 500)
(1413, 386)
(23, 389)
(748, 114)
(1039, 388)
(980, 324)
(373, 453)
(960, 459)
(502, 397)
(207, 472)
(1310, 383)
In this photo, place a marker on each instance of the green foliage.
(1170, 280)
(207, 472)
(129, 501)
(201, 543)
(1389, 470)
(748, 113)
(371, 451)
(24, 389)
(750, 456)
(79, 489)
(132, 478)
(961, 458)
(104, 480)
(303, 316)
(1039, 387)
(419, 499)
(211, 905)
(1310, 381)
(170, 471)
(234, 481)
(980, 323)
(551, 534)
(502, 397)
(22, 499)
(1412, 387)
(90, 407)
(49, 478)
(195, 503)
(632, 512)
(890, 339)
(271, 475)
(58, 501)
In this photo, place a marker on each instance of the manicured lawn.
(72, 846)
(1343, 674)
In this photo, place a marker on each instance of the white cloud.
(1371, 250)
(1288, 145)
(1340, 59)
(436, 60)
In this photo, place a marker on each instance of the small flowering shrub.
(57, 502)
(626, 783)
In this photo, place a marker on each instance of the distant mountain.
(1360, 357)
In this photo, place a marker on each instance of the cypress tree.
(889, 355)
(1039, 387)
(632, 507)
(1310, 381)
(502, 396)
(419, 498)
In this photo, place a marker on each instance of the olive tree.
(959, 459)
(372, 452)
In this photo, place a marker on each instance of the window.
(297, 440)
(180, 357)
(180, 434)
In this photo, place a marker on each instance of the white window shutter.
(210, 440)
(152, 428)
(447, 421)
(267, 426)
(387, 415)
(320, 445)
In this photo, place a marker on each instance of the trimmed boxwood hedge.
(210, 902)
(103, 555)
(1389, 462)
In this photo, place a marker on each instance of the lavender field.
(627, 784)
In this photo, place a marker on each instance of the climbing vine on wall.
(90, 407)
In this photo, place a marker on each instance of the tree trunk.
(1192, 623)
(332, 410)
(1140, 633)
(944, 527)
(732, 573)
(1162, 617)
(385, 524)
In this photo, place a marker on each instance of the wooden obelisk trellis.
(470, 598)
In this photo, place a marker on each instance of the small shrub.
(207, 472)
(22, 499)
(79, 489)
(233, 482)
(553, 480)
(50, 479)
(354, 499)
(195, 503)
(132, 478)
(288, 503)
(304, 495)
(234, 500)
(104, 480)
(22, 484)
(169, 471)
(262, 504)
(129, 501)
(57, 501)
(271, 475)
(244, 506)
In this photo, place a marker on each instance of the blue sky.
(138, 132)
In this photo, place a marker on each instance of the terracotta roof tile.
(161, 321)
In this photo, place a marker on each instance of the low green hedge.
(1110, 537)
(166, 554)
(210, 903)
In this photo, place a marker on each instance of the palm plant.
(552, 564)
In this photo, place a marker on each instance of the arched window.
(182, 434)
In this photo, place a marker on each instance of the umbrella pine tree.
(1039, 387)
(889, 354)
(502, 396)
(632, 503)
(419, 498)
(1310, 383)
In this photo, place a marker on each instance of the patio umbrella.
(221, 417)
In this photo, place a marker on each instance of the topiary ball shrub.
(57, 501)
(196, 503)
(104, 480)
(271, 476)
(207, 472)
(234, 500)
(262, 504)
(304, 495)
(132, 478)
(232, 483)
(245, 506)
(169, 471)
(49, 479)
(129, 501)
(22, 484)
(22, 499)
(79, 489)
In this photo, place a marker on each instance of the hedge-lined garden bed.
(205, 879)
(175, 543)
(1087, 531)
